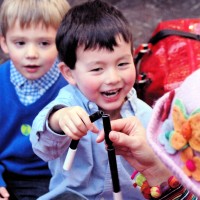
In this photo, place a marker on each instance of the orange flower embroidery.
(192, 163)
(186, 128)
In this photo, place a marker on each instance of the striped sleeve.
(179, 193)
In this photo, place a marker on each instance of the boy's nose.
(32, 52)
(113, 76)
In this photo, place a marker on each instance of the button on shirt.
(29, 91)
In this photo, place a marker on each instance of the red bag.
(172, 53)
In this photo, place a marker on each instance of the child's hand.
(4, 195)
(73, 121)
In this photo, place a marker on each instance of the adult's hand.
(129, 138)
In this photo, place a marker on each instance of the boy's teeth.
(110, 93)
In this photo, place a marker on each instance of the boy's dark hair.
(94, 24)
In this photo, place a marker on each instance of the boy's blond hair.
(28, 12)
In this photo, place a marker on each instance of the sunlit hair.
(32, 12)
(94, 24)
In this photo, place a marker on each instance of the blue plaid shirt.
(29, 91)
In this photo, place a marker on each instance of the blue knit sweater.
(16, 155)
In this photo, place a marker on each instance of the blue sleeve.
(2, 182)
(45, 143)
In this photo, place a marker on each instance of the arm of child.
(55, 126)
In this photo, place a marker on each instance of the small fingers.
(73, 127)
(75, 123)
(100, 137)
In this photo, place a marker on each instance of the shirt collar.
(15, 77)
(19, 80)
(128, 108)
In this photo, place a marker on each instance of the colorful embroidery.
(182, 133)
(186, 128)
(164, 137)
(192, 163)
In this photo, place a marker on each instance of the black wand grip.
(111, 154)
(95, 116)
(107, 129)
(113, 170)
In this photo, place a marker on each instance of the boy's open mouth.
(32, 66)
(111, 93)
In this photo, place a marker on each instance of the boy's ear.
(3, 44)
(66, 72)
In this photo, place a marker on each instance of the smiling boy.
(95, 46)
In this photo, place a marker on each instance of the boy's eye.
(96, 69)
(20, 43)
(123, 64)
(44, 43)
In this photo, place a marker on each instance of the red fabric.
(169, 61)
